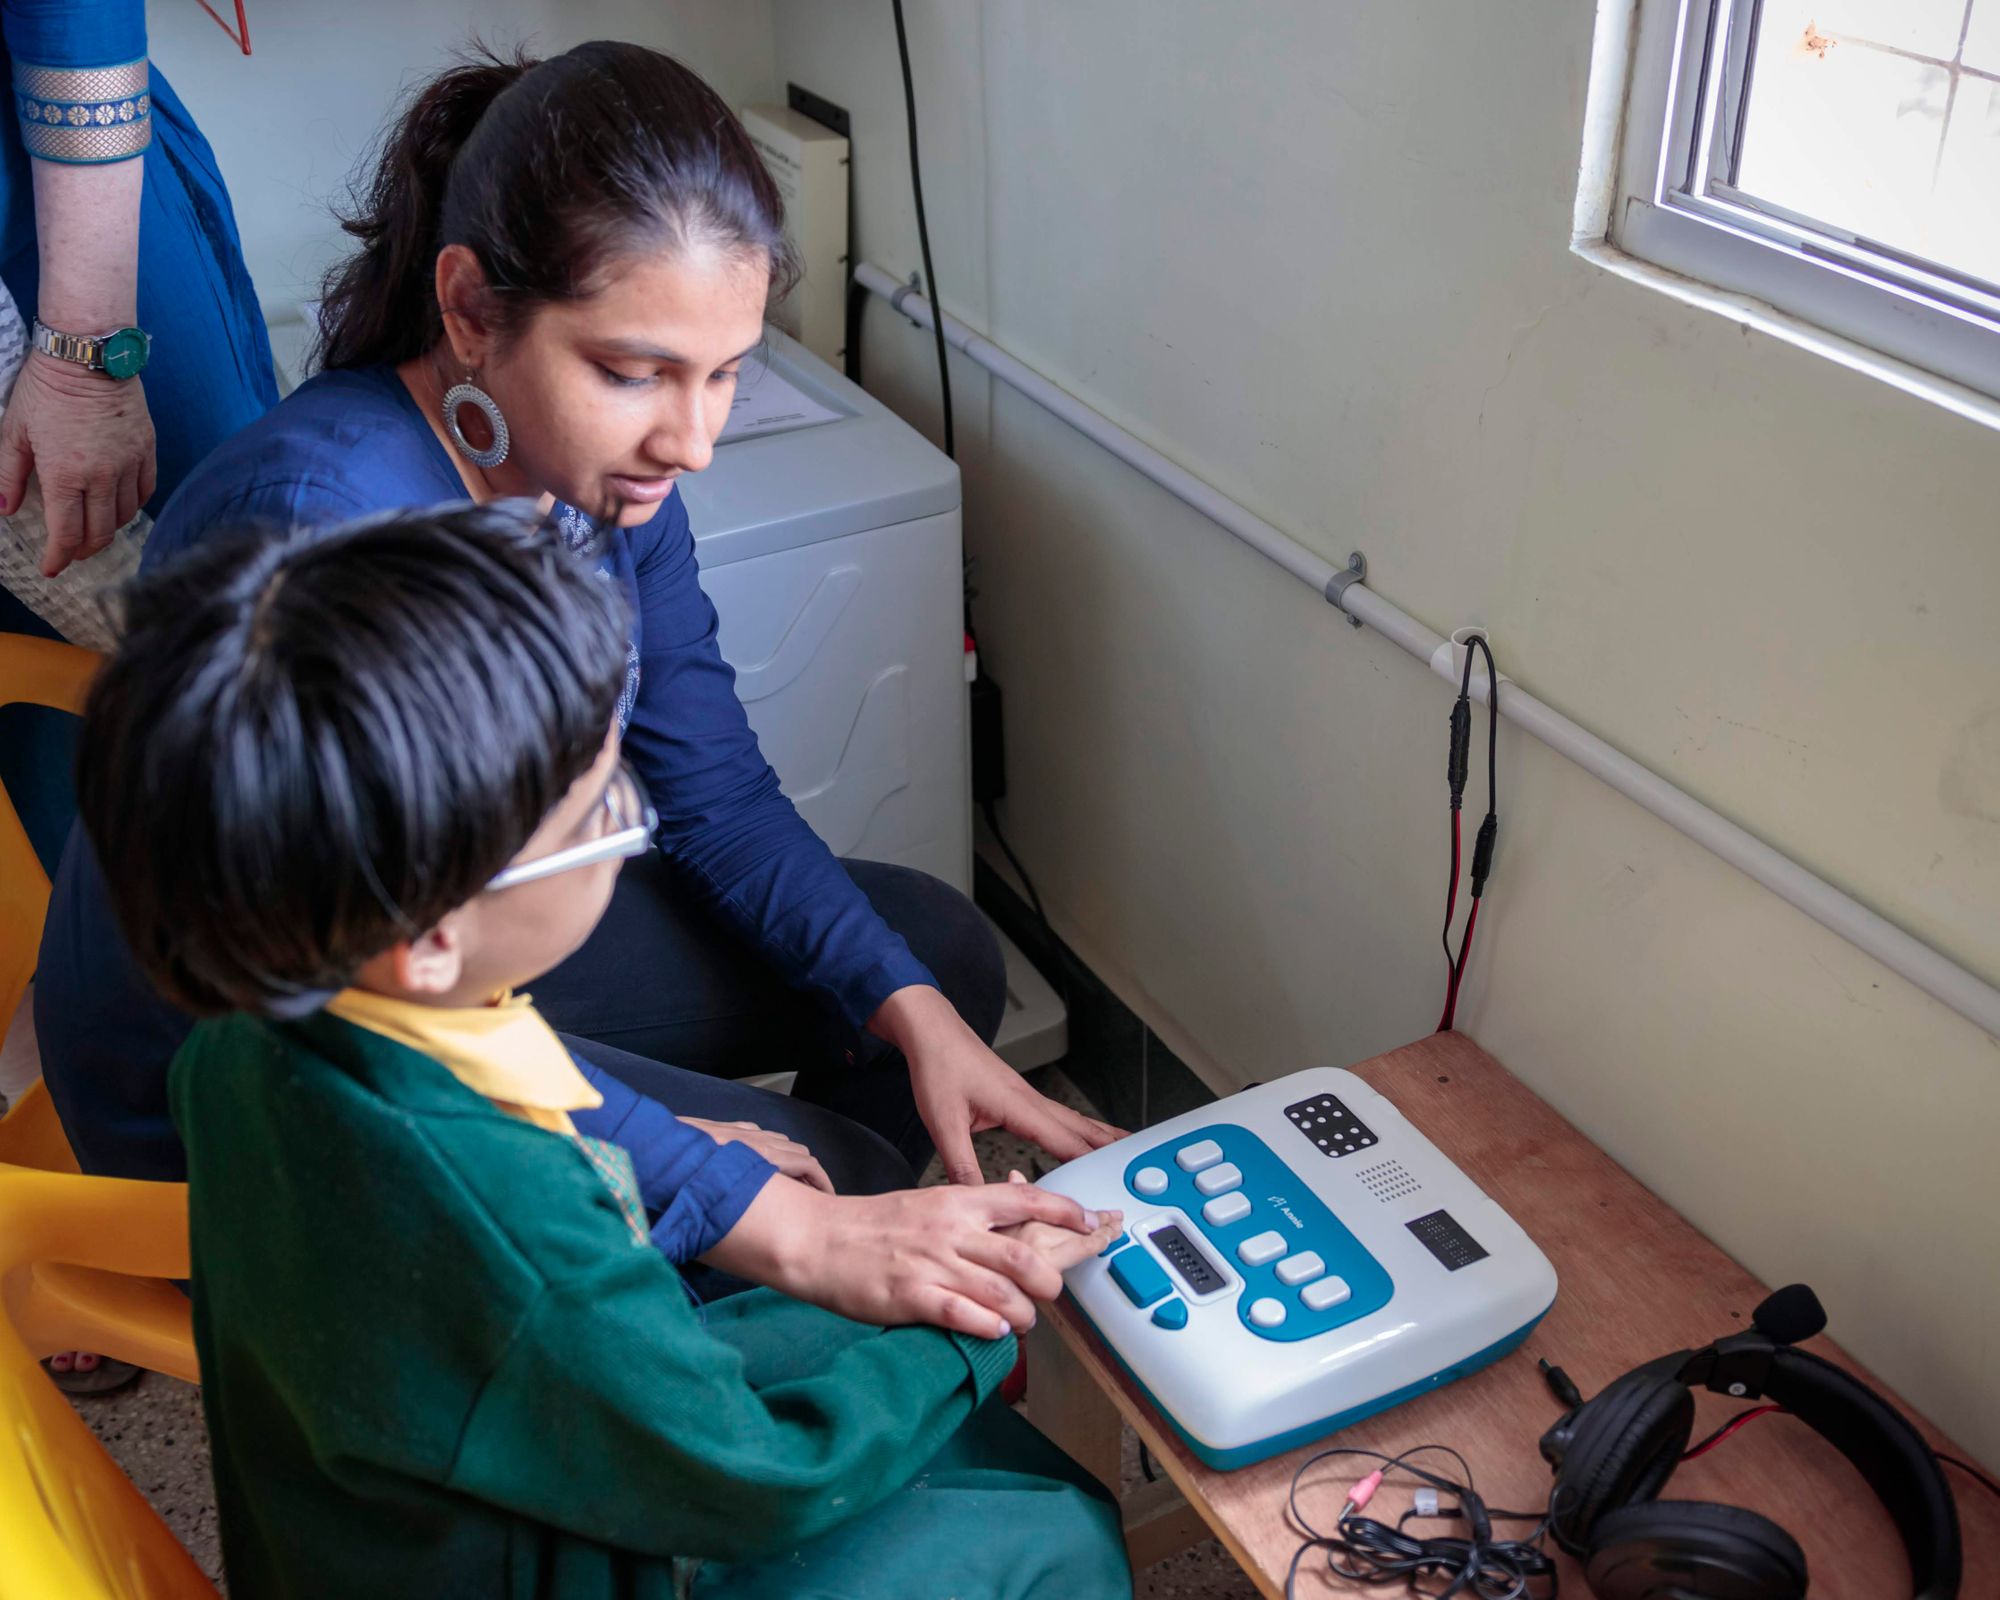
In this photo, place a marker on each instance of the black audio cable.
(1457, 768)
(1366, 1551)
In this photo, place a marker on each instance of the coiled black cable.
(1367, 1551)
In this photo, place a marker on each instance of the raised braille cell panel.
(1332, 1128)
(1442, 1234)
(1186, 1258)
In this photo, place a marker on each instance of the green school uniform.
(436, 1362)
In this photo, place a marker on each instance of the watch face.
(125, 352)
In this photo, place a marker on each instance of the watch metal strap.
(85, 350)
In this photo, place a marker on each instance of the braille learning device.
(1297, 1257)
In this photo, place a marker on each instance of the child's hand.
(790, 1157)
(1063, 1248)
(939, 1255)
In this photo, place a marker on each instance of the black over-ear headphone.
(1613, 1454)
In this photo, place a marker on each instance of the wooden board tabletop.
(1636, 1281)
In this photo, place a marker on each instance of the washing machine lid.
(808, 456)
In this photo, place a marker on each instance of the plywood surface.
(1636, 1282)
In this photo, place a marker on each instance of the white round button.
(1150, 1181)
(1267, 1313)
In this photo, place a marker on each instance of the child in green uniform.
(349, 789)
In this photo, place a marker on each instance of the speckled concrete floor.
(155, 1431)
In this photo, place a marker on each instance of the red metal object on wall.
(240, 33)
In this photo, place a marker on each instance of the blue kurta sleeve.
(697, 1187)
(723, 819)
(80, 79)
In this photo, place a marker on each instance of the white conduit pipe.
(1930, 970)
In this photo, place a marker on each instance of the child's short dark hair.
(310, 745)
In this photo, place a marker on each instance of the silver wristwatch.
(119, 354)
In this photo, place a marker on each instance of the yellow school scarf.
(504, 1051)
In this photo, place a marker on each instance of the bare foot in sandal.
(86, 1372)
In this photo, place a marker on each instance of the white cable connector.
(1426, 1503)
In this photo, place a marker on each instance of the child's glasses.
(629, 828)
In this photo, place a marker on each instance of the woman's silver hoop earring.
(470, 394)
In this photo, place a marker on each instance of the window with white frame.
(1837, 159)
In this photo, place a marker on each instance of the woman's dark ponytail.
(547, 171)
(379, 304)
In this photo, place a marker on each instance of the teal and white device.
(1295, 1258)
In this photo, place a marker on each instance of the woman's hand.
(963, 1088)
(921, 1255)
(790, 1157)
(89, 439)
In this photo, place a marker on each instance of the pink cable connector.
(1362, 1493)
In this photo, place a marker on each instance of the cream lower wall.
(1317, 253)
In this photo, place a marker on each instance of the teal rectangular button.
(1142, 1278)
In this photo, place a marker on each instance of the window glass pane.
(1925, 27)
(1966, 231)
(1982, 39)
(1847, 124)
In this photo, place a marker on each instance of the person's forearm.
(913, 1014)
(87, 226)
(775, 1236)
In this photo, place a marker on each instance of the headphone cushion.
(1710, 1550)
(1628, 1442)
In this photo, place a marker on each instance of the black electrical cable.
(950, 436)
(1028, 883)
(1451, 900)
(924, 232)
(1367, 1551)
(1051, 945)
(1492, 714)
(1489, 827)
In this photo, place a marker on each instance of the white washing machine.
(829, 538)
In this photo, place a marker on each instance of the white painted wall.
(290, 122)
(1317, 253)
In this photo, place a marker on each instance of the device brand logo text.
(1278, 1200)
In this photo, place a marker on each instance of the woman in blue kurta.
(562, 267)
(112, 214)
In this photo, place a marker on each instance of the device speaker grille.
(1388, 1180)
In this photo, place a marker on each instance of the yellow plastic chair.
(42, 672)
(72, 1526)
(39, 672)
(83, 1266)
(62, 1296)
